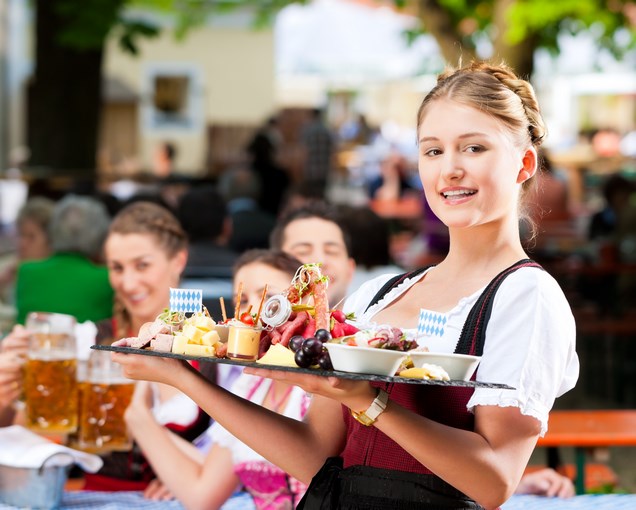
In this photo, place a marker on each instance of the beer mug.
(104, 396)
(50, 379)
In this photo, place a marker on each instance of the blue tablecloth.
(84, 500)
(588, 502)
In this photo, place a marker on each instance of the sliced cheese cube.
(210, 338)
(193, 333)
(199, 350)
(203, 322)
(179, 344)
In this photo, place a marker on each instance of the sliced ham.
(162, 343)
(138, 342)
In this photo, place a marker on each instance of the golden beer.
(101, 424)
(50, 392)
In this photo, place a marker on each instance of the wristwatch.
(377, 407)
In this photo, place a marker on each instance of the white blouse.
(296, 407)
(530, 338)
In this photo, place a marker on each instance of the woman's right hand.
(13, 351)
(16, 342)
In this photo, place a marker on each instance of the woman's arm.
(486, 464)
(198, 485)
(298, 448)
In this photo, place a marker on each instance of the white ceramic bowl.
(458, 366)
(364, 360)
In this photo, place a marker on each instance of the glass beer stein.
(104, 396)
(50, 379)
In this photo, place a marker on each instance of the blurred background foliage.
(71, 34)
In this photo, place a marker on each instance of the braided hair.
(143, 217)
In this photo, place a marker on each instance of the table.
(85, 500)
(589, 429)
(587, 502)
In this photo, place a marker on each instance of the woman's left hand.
(355, 395)
(142, 367)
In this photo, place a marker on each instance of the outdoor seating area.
(321, 254)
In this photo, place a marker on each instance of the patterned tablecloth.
(588, 502)
(85, 500)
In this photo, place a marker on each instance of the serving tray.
(311, 371)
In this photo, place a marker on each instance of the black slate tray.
(312, 371)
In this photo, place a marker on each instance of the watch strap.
(377, 407)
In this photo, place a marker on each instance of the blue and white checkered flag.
(186, 300)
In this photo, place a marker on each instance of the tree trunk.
(64, 99)
(439, 24)
(518, 56)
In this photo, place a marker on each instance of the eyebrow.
(465, 135)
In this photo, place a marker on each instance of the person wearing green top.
(72, 280)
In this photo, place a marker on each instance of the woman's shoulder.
(531, 284)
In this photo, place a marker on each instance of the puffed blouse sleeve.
(530, 346)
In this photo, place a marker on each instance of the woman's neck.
(486, 248)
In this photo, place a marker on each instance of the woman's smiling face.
(469, 165)
(141, 273)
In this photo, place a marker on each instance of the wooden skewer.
(223, 314)
(260, 305)
(249, 309)
(237, 306)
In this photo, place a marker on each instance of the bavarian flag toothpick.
(186, 300)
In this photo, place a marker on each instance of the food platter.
(327, 373)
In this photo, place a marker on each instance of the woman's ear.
(529, 165)
(180, 260)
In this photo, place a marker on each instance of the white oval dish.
(460, 367)
(364, 360)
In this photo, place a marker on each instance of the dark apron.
(369, 488)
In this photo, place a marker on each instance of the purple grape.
(301, 359)
(296, 342)
(323, 335)
(312, 347)
(324, 361)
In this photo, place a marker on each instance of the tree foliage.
(514, 29)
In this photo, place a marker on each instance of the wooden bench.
(585, 430)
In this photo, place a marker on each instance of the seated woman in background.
(146, 252)
(33, 243)
(200, 481)
(72, 280)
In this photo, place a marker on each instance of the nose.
(452, 168)
(129, 281)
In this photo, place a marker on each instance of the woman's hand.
(142, 367)
(10, 378)
(16, 342)
(13, 352)
(356, 395)
(157, 491)
(139, 411)
(546, 482)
